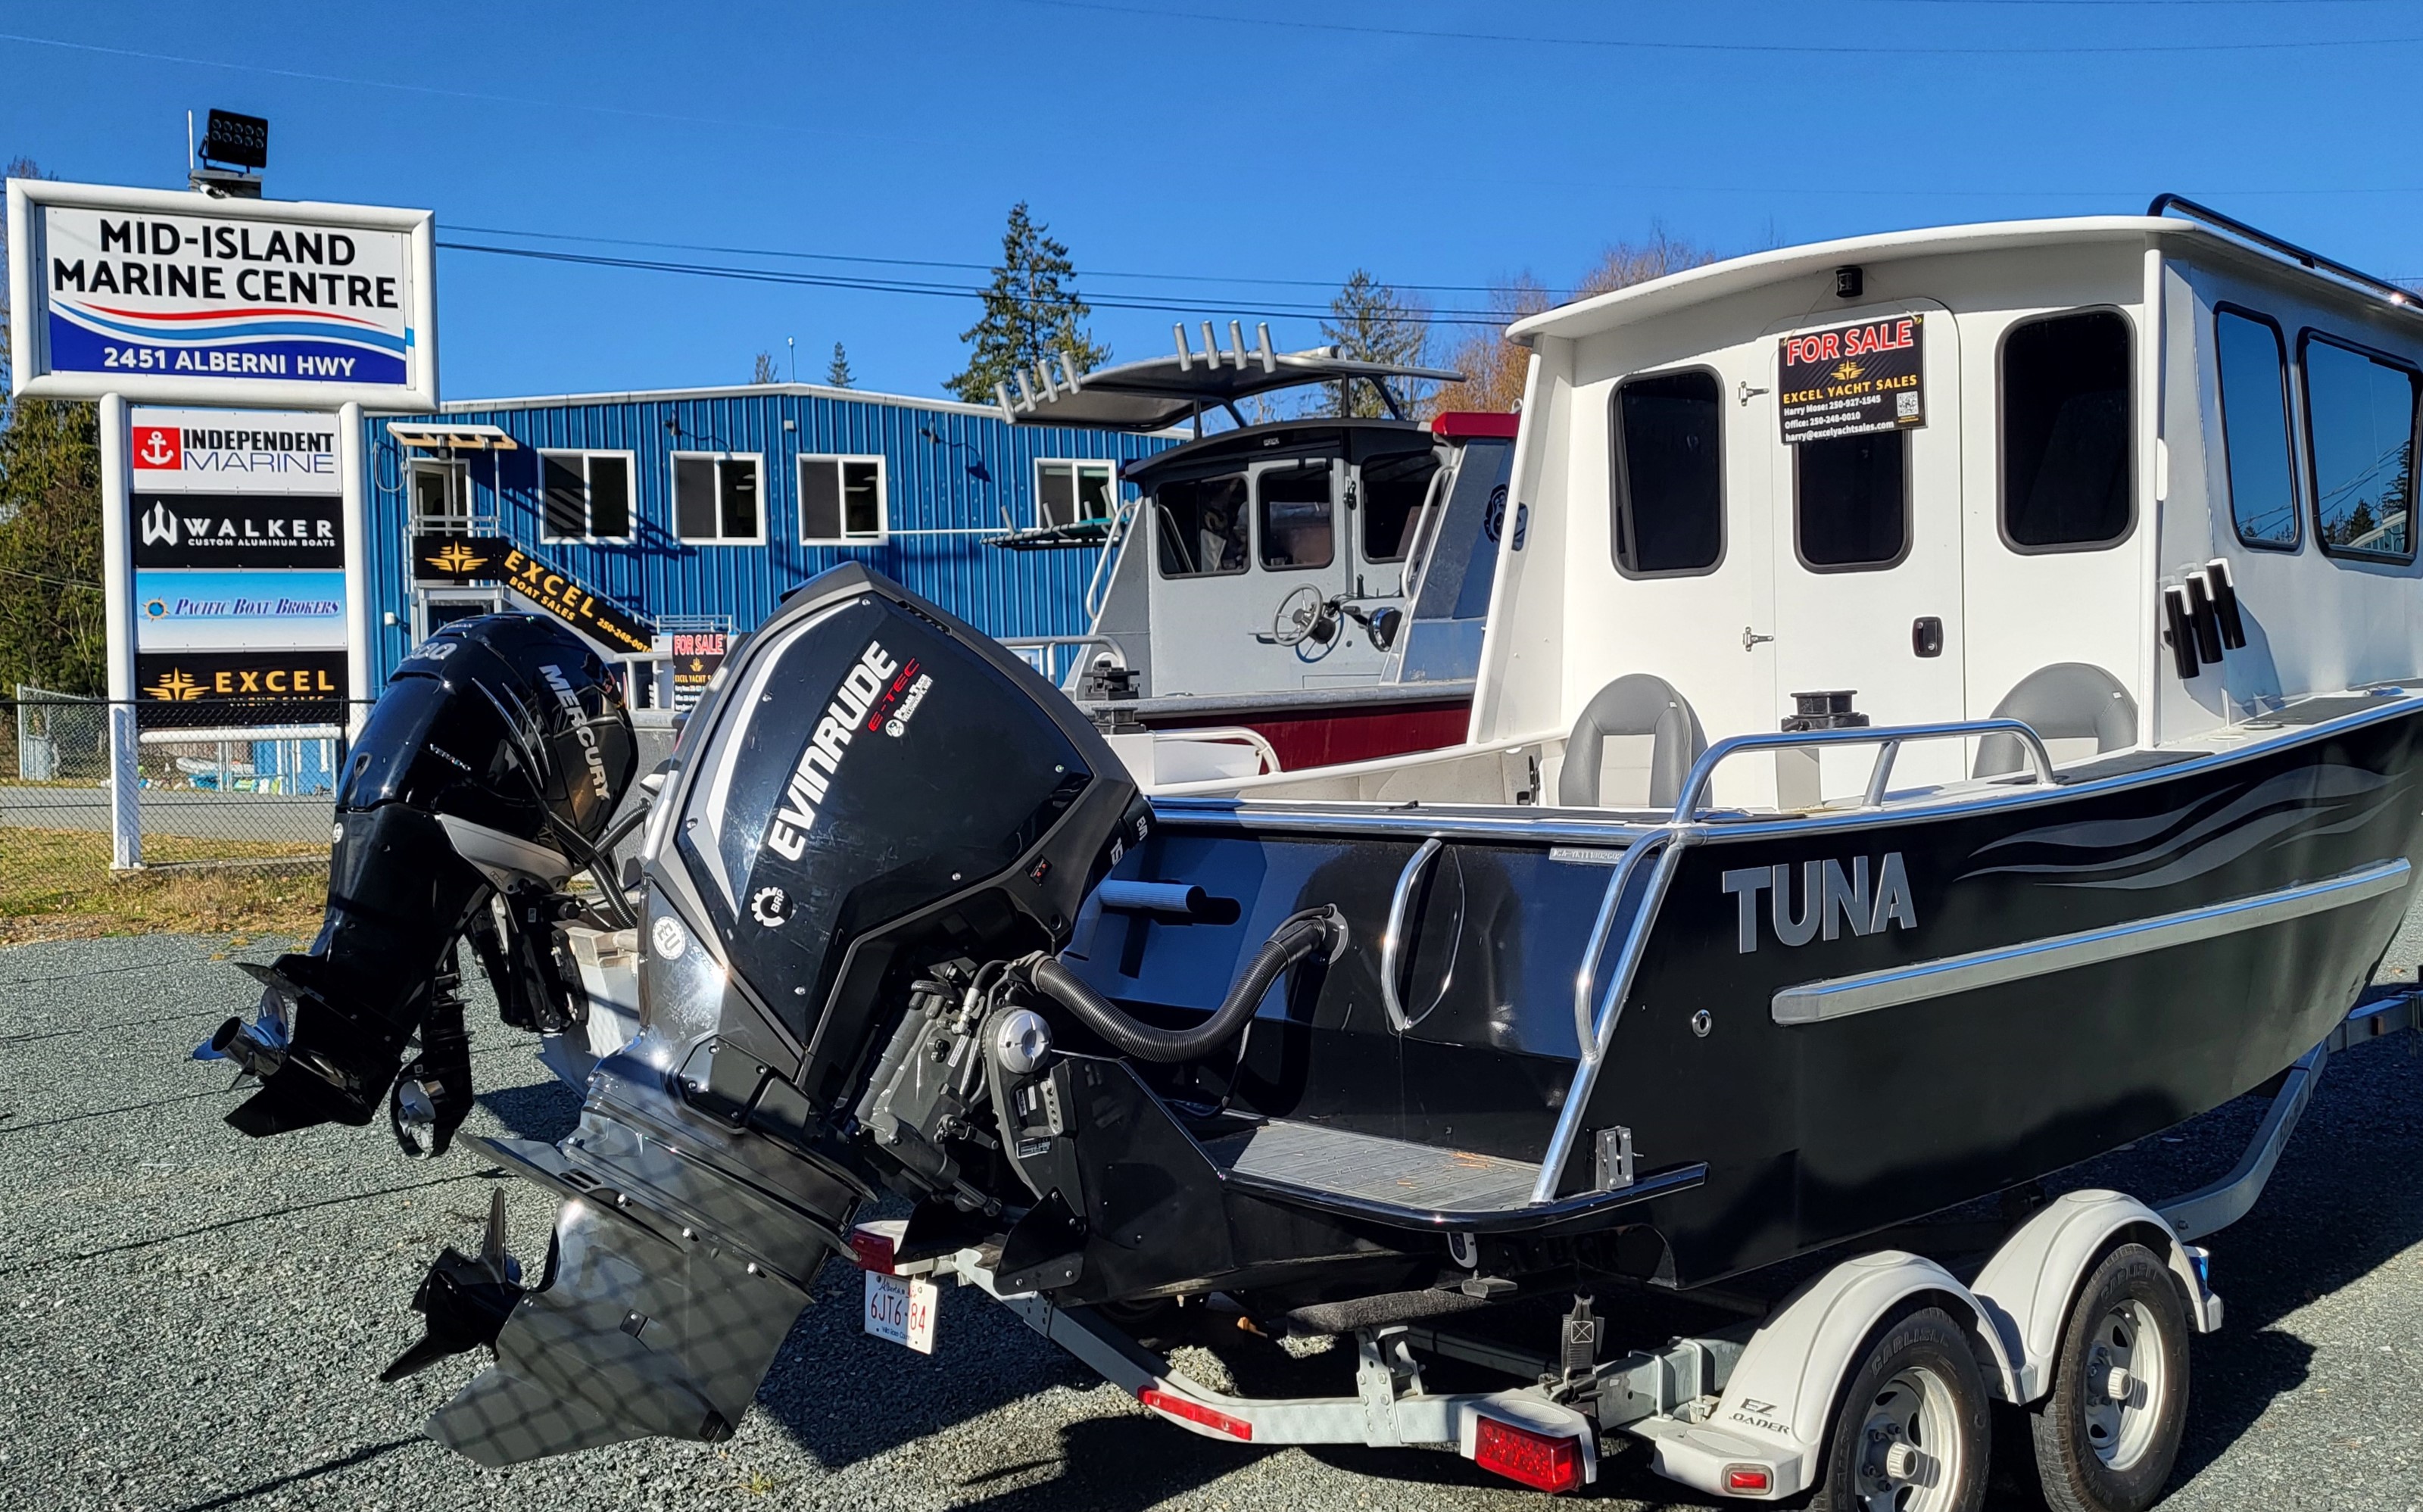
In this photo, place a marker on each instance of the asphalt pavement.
(190, 1321)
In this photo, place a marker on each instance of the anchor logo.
(159, 446)
(160, 525)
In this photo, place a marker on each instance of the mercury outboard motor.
(489, 769)
(877, 808)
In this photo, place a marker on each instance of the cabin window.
(1297, 529)
(842, 501)
(1393, 494)
(2253, 369)
(717, 499)
(586, 496)
(1199, 526)
(1071, 493)
(2359, 434)
(1669, 484)
(2067, 453)
(1851, 500)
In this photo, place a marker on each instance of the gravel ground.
(189, 1322)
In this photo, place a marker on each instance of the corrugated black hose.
(1299, 936)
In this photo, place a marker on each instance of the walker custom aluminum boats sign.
(162, 296)
(1849, 380)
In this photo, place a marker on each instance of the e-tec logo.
(787, 836)
(580, 731)
(158, 447)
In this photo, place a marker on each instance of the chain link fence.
(216, 785)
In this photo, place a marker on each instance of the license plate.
(901, 1309)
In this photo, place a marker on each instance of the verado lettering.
(821, 762)
(1831, 898)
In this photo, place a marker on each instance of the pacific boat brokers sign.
(1852, 380)
(163, 296)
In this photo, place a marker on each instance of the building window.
(2068, 474)
(843, 501)
(1394, 489)
(718, 500)
(442, 495)
(1073, 493)
(1297, 524)
(1199, 526)
(2254, 374)
(2360, 435)
(1669, 487)
(1851, 500)
(585, 495)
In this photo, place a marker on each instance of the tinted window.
(738, 496)
(1296, 524)
(2254, 367)
(610, 497)
(694, 497)
(1393, 491)
(2360, 419)
(2065, 431)
(841, 499)
(1200, 527)
(567, 497)
(1851, 499)
(715, 499)
(1669, 478)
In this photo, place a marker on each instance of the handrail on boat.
(1889, 739)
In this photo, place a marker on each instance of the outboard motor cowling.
(492, 763)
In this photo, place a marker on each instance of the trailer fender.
(2027, 1287)
(1776, 1407)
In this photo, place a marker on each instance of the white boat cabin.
(2136, 480)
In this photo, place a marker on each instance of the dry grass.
(55, 884)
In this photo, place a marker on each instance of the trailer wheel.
(2108, 1434)
(1911, 1432)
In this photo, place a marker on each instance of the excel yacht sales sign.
(163, 296)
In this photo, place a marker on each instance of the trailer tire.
(2093, 1453)
(1912, 1431)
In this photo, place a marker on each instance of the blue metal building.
(701, 508)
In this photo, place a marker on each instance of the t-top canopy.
(1159, 392)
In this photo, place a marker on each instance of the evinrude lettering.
(787, 834)
(1832, 896)
(580, 731)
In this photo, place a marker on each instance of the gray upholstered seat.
(2066, 701)
(1636, 704)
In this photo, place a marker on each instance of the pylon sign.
(239, 592)
(167, 297)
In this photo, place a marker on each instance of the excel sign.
(163, 296)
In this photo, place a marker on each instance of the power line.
(1661, 45)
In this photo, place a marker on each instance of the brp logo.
(158, 447)
(159, 525)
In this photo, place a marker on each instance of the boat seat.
(1339, 1162)
(1633, 705)
(2064, 702)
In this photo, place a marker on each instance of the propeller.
(466, 1299)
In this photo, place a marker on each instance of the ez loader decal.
(821, 762)
(1830, 899)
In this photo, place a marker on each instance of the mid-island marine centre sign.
(164, 295)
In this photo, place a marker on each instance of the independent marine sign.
(1850, 380)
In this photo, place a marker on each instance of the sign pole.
(118, 608)
(358, 584)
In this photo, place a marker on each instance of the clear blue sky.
(1434, 142)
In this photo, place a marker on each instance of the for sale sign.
(1849, 380)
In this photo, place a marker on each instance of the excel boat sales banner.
(238, 534)
(162, 296)
(1849, 380)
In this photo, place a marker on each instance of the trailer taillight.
(872, 1248)
(1749, 1480)
(1194, 1411)
(1547, 1461)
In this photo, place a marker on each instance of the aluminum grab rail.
(1888, 738)
(1392, 944)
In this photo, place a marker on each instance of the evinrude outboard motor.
(876, 806)
(489, 768)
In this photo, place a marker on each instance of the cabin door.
(1867, 525)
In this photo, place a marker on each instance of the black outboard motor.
(875, 800)
(491, 765)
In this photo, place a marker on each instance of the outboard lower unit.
(487, 775)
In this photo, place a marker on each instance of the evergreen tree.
(1031, 312)
(51, 619)
(837, 373)
(762, 371)
(1369, 322)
